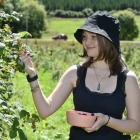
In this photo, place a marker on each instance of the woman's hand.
(101, 121)
(25, 57)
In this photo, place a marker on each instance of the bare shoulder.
(131, 77)
(71, 70)
(70, 74)
(131, 82)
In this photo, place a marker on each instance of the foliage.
(32, 16)
(71, 14)
(11, 5)
(129, 29)
(69, 27)
(52, 59)
(12, 116)
(87, 12)
(79, 5)
(61, 54)
(62, 26)
(53, 54)
(66, 14)
(132, 58)
(35, 14)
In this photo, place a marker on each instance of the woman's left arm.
(132, 123)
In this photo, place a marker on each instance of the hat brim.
(95, 29)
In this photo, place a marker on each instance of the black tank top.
(112, 104)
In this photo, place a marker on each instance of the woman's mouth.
(89, 48)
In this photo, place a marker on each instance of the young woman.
(101, 84)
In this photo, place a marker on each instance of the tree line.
(32, 14)
(78, 5)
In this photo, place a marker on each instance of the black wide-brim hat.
(102, 24)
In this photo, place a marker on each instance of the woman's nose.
(88, 41)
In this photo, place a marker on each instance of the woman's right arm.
(48, 105)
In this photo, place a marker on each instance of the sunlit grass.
(69, 25)
(62, 25)
(65, 53)
(52, 127)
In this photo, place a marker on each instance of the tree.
(12, 115)
(128, 28)
(36, 15)
(32, 16)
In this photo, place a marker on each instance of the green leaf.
(2, 102)
(23, 113)
(36, 117)
(2, 45)
(15, 122)
(1, 116)
(20, 65)
(22, 135)
(13, 132)
(25, 34)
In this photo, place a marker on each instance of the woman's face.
(90, 43)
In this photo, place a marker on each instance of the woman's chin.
(91, 55)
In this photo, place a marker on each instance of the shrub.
(128, 27)
(12, 115)
(59, 13)
(87, 12)
(32, 19)
(66, 14)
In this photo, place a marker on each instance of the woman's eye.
(94, 37)
(83, 37)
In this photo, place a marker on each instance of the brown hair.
(108, 52)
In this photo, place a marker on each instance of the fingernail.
(92, 114)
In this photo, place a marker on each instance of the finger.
(25, 59)
(96, 129)
(97, 114)
(27, 52)
(22, 57)
(88, 131)
(23, 53)
(97, 125)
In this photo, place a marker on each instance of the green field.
(62, 25)
(50, 67)
(52, 128)
(68, 26)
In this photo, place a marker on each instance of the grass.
(54, 127)
(69, 25)
(62, 25)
